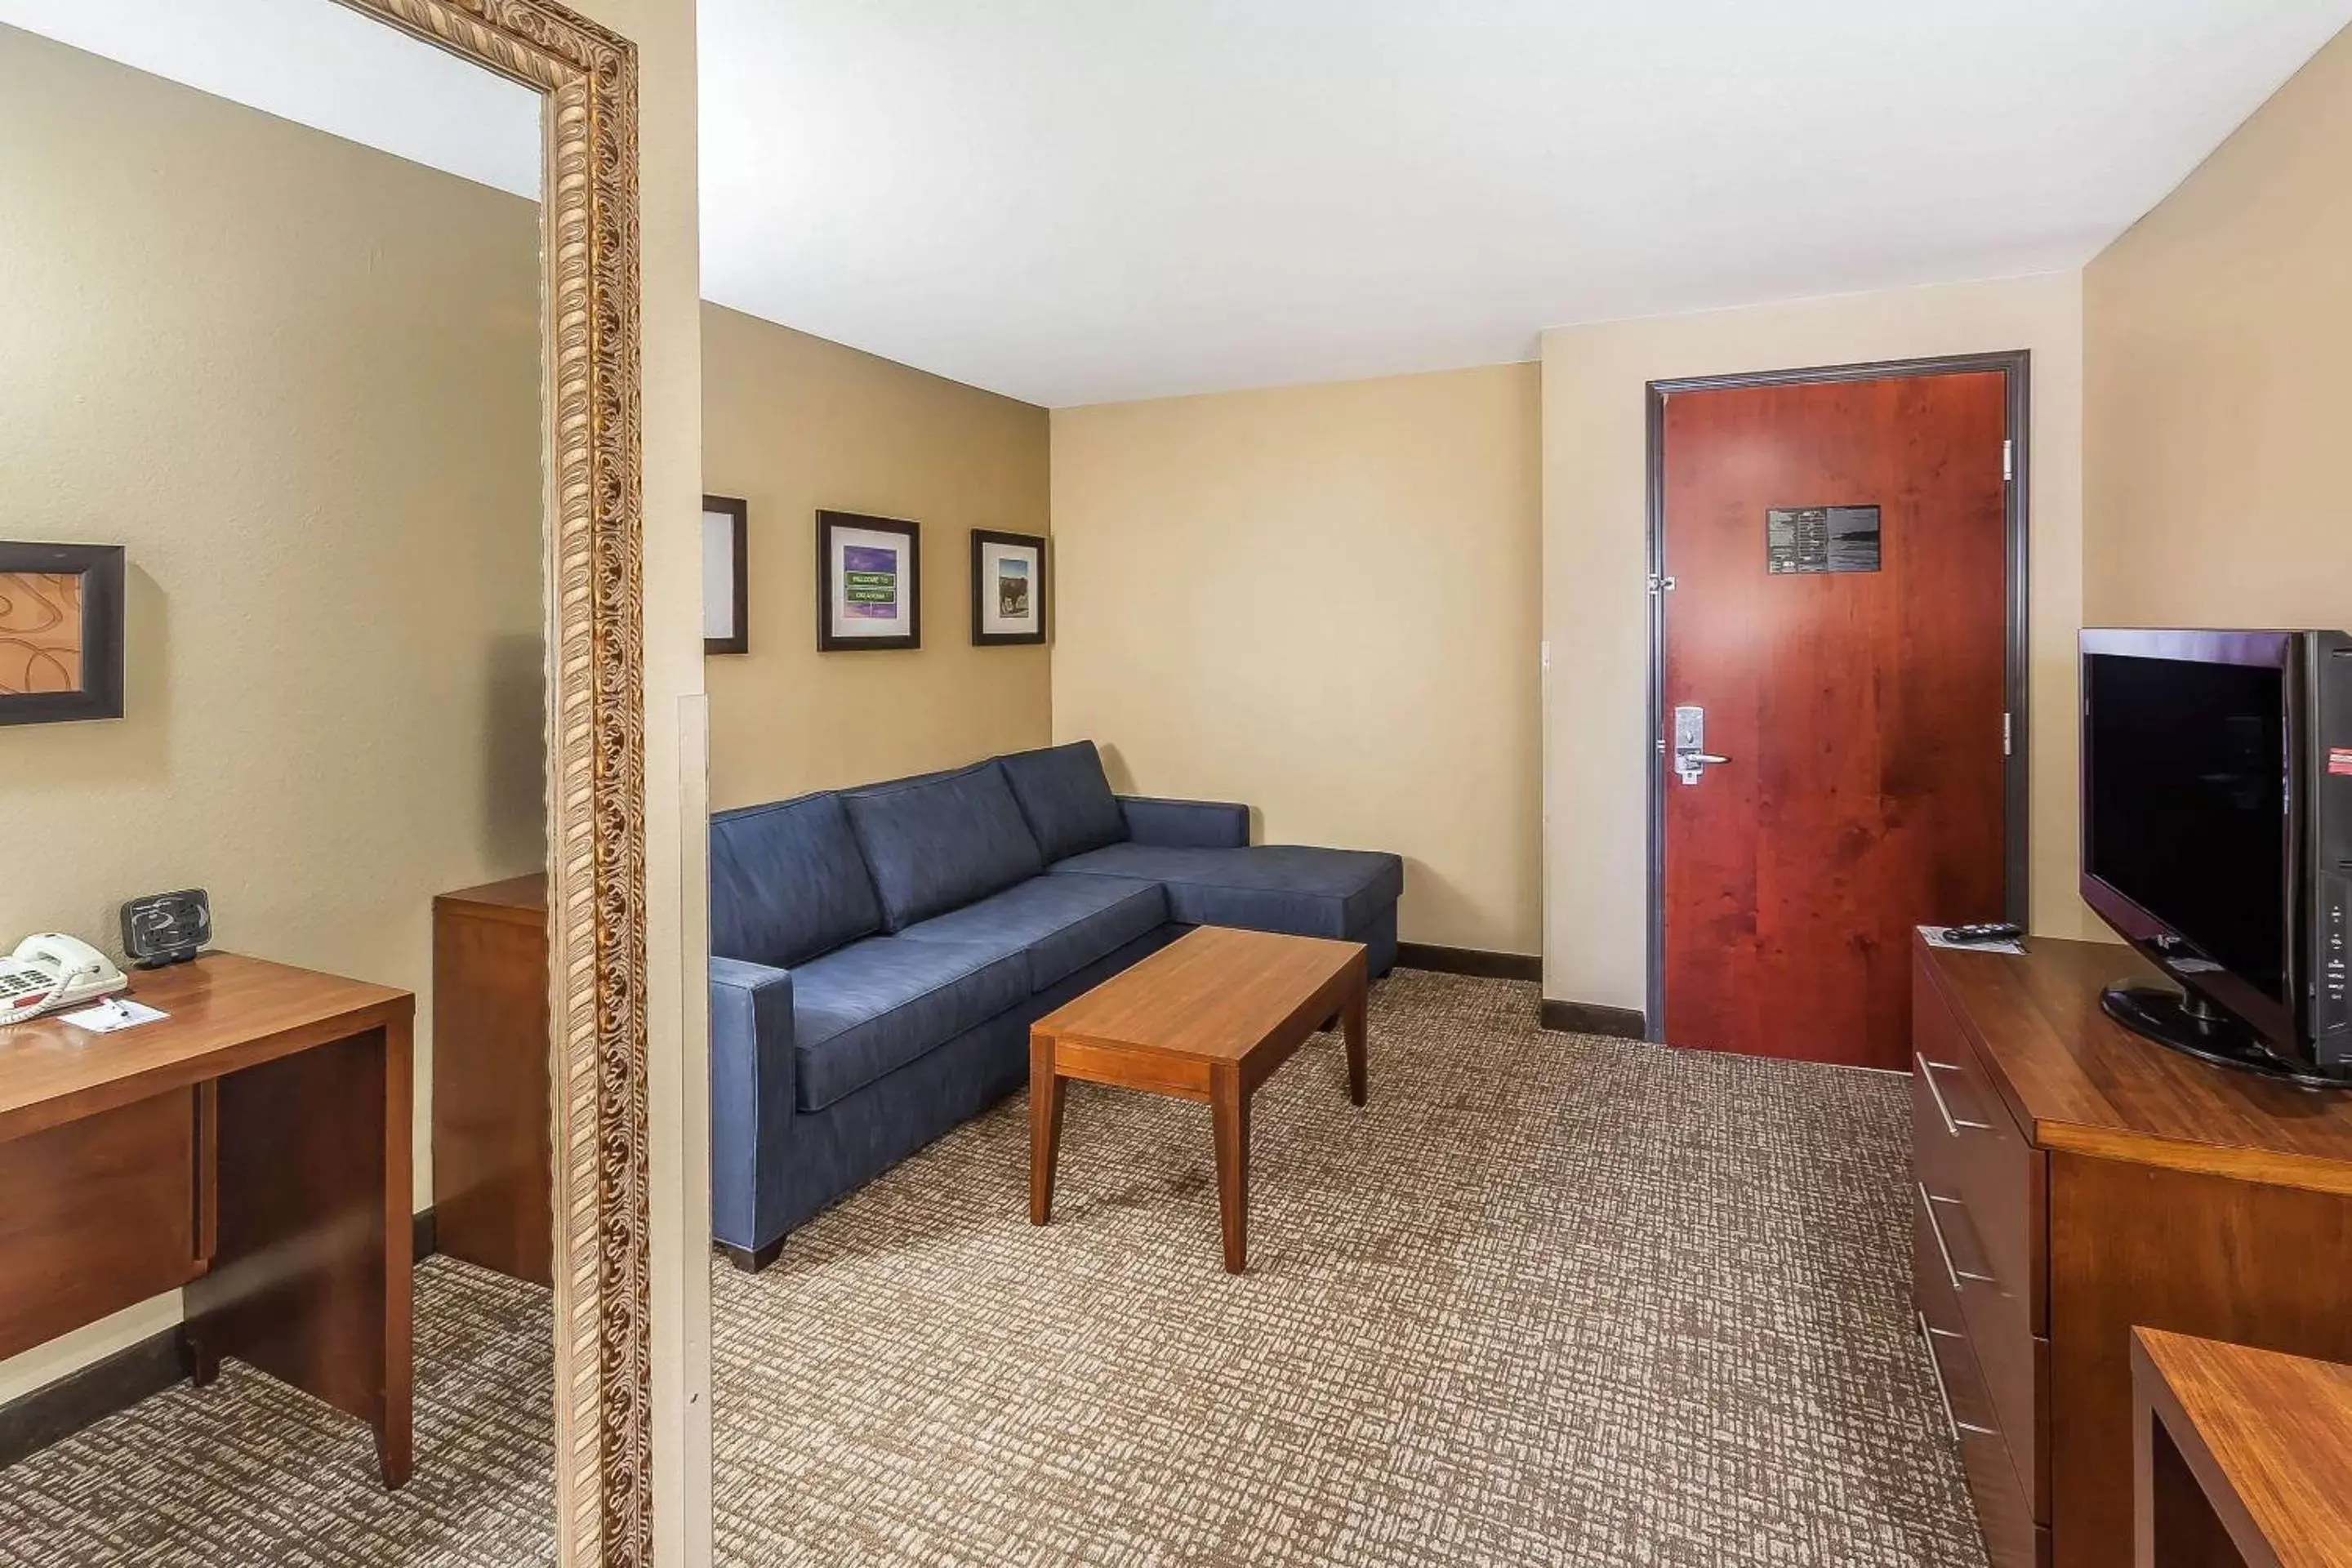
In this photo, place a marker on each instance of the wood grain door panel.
(1861, 711)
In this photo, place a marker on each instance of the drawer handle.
(1952, 1124)
(1928, 1334)
(1936, 1229)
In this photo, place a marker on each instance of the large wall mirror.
(356, 397)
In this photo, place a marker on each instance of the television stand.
(2073, 1181)
(2186, 1023)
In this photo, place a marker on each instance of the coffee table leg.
(1229, 1110)
(1351, 1020)
(1046, 1089)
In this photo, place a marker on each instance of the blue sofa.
(878, 954)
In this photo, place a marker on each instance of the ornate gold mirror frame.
(587, 77)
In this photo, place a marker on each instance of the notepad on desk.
(113, 1014)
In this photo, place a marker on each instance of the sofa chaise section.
(1201, 853)
(1290, 888)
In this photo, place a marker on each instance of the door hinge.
(1661, 585)
(2004, 734)
(2008, 460)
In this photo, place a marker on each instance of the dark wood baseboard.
(1593, 1018)
(58, 1410)
(1469, 960)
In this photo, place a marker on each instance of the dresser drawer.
(1982, 1214)
(1966, 1145)
(2012, 1539)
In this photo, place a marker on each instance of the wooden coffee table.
(1207, 1017)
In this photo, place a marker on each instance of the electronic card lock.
(1692, 758)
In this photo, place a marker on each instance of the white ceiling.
(319, 64)
(1074, 201)
(1080, 200)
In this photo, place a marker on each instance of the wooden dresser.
(2076, 1181)
(493, 1160)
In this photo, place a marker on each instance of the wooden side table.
(2241, 1458)
(493, 1156)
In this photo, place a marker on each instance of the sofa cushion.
(1061, 923)
(881, 1002)
(937, 842)
(1066, 799)
(787, 882)
(1286, 888)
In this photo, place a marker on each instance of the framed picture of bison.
(1008, 588)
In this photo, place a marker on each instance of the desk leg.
(310, 1281)
(396, 1203)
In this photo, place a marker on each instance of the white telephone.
(51, 971)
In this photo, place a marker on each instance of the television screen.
(2184, 765)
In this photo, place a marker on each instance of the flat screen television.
(2217, 838)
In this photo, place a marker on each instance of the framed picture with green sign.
(867, 587)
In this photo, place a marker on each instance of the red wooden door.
(1860, 710)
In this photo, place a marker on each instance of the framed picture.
(726, 556)
(1008, 588)
(60, 633)
(867, 591)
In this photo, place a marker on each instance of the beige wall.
(792, 424)
(2216, 409)
(1320, 600)
(228, 341)
(1598, 748)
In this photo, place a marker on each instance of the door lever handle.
(1691, 756)
(1690, 766)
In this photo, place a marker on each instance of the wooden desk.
(2241, 1458)
(493, 1112)
(252, 1148)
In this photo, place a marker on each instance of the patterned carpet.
(1548, 1300)
(250, 1471)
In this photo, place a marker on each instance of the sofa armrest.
(1185, 823)
(751, 1095)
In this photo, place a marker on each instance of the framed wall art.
(60, 633)
(726, 559)
(1008, 588)
(867, 589)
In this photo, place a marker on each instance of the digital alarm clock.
(166, 928)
